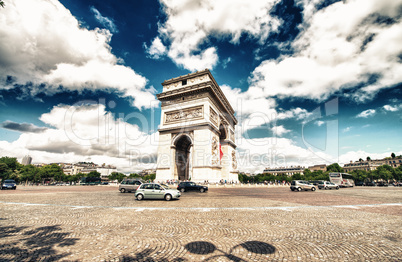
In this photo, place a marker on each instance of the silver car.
(327, 185)
(156, 191)
(129, 185)
(299, 185)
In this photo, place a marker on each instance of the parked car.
(370, 184)
(191, 186)
(382, 184)
(299, 185)
(327, 185)
(9, 184)
(156, 191)
(315, 182)
(129, 185)
(359, 183)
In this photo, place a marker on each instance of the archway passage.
(182, 158)
(223, 134)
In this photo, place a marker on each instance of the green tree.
(398, 173)
(368, 158)
(116, 176)
(51, 172)
(134, 175)
(307, 172)
(94, 174)
(393, 155)
(11, 162)
(297, 176)
(360, 175)
(28, 173)
(150, 177)
(15, 175)
(2, 3)
(243, 178)
(384, 172)
(4, 171)
(319, 175)
(334, 168)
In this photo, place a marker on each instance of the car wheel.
(299, 189)
(313, 189)
(123, 190)
(291, 189)
(168, 197)
(325, 188)
(337, 187)
(202, 190)
(182, 190)
(140, 197)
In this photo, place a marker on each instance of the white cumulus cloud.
(366, 113)
(48, 46)
(339, 47)
(190, 23)
(81, 131)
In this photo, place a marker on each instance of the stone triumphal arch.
(197, 131)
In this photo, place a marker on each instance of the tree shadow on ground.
(204, 248)
(33, 244)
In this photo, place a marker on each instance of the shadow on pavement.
(34, 244)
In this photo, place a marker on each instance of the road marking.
(206, 209)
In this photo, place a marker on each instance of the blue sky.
(312, 82)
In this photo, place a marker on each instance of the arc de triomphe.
(197, 131)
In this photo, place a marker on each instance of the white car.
(327, 185)
(156, 191)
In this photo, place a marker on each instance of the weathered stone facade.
(197, 124)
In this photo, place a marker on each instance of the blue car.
(9, 184)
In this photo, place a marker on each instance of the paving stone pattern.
(226, 224)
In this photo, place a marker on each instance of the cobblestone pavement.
(245, 223)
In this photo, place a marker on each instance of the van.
(130, 185)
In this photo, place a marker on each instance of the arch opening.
(182, 157)
(222, 132)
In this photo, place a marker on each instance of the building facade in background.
(288, 171)
(26, 160)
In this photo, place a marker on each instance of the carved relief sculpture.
(215, 151)
(187, 114)
(213, 116)
(234, 161)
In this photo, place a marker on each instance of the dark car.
(397, 184)
(191, 186)
(9, 184)
(370, 184)
(359, 183)
(382, 184)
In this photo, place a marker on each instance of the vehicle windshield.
(9, 181)
(165, 186)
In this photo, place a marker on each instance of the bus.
(90, 181)
(342, 179)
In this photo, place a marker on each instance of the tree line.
(384, 173)
(10, 168)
